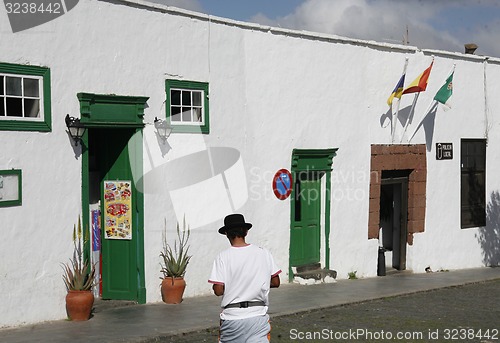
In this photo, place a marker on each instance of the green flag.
(444, 93)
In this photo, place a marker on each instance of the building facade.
(246, 104)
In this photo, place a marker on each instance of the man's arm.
(218, 289)
(275, 281)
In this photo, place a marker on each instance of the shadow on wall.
(428, 123)
(406, 116)
(489, 236)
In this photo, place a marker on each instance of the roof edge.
(299, 33)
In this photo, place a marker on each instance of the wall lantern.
(162, 128)
(75, 128)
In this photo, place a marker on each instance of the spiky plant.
(79, 273)
(175, 260)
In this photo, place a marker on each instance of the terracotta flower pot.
(172, 290)
(79, 304)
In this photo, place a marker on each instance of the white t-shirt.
(246, 274)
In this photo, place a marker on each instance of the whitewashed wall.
(271, 90)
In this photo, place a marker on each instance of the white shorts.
(248, 330)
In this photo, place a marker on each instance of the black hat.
(234, 221)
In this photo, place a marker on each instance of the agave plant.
(79, 273)
(175, 260)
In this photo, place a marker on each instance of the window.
(473, 180)
(187, 106)
(24, 98)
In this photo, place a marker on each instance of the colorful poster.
(117, 210)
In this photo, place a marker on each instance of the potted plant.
(79, 278)
(173, 266)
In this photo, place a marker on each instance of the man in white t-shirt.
(243, 274)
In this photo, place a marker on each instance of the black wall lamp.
(75, 128)
(162, 128)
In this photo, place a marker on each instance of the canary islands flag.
(420, 83)
(444, 93)
(398, 90)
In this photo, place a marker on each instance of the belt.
(245, 304)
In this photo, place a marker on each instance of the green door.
(109, 154)
(309, 168)
(119, 256)
(305, 232)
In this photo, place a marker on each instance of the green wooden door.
(309, 167)
(119, 256)
(305, 230)
(111, 120)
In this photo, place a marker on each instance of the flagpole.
(409, 115)
(395, 118)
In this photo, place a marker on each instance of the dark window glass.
(1, 85)
(186, 98)
(175, 113)
(2, 106)
(31, 108)
(13, 85)
(14, 107)
(298, 204)
(196, 98)
(473, 183)
(31, 87)
(175, 97)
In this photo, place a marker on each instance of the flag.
(398, 90)
(444, 93)
(420, 83)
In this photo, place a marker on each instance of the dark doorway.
(109, 157)
(394, 217)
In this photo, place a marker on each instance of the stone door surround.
(399, 157)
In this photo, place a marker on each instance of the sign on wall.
(444, 151)
(10, 187)
(282, 184)
(117, 210)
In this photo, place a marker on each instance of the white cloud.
(386, 21)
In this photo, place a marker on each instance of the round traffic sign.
(282, 184)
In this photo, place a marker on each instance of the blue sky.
(245, 10)
(441, 24)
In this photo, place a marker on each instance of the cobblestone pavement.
(469, 313)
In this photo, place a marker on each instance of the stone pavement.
(139, 323)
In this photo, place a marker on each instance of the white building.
(259, 99)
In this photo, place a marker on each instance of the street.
(467, 313)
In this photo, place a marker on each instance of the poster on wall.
(117, 210)
(95, 257)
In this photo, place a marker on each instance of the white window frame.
(5, 96)
(191, 108)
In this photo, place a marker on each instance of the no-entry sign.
(282, 184)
